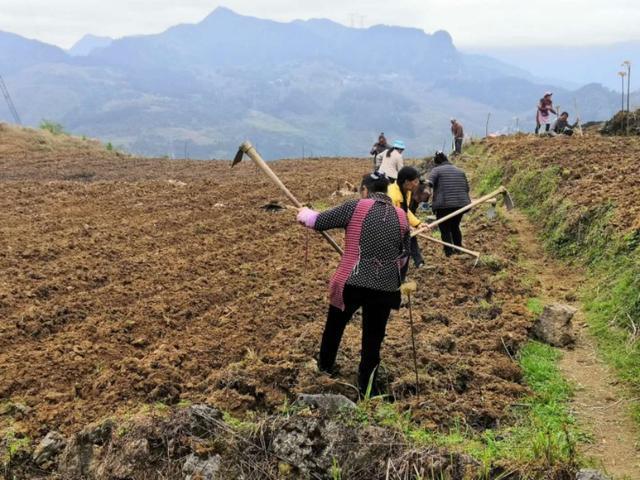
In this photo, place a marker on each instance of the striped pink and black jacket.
(377, 244)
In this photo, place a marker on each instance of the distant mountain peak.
(88, 44)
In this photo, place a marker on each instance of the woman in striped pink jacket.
(377, 244)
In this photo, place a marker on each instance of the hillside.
(309, 85)
(135, 291)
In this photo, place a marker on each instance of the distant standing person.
(378, 147)
(450, 193)
(391, 160)
(543, 117)
(458, 135)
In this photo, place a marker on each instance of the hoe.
(508, 203)
(247, 148)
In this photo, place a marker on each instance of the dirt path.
(600, 403)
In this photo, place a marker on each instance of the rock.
(196, 468)
(554, 326)
(587, 474)
(77, 457)
(311, 443)
(49, 448)
(204, 420)
(327, 403)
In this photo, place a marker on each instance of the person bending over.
(450, 193)
(401, 193)
(377, 243)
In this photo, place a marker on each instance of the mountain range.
(300, 88)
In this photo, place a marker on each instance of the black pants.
(450, 230)
(458, 145)
(376, 307)
(416, 253)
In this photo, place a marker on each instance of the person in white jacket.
(391, 161)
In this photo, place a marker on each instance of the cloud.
(471, 22)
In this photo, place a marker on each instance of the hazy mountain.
(313, 85)
(571, 65)
(88, 44)
(18, 53)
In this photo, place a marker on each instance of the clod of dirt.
(554, 325)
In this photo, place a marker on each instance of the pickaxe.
(247, 148)
(508, 202)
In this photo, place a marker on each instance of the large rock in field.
(554, 326)
(327, 403)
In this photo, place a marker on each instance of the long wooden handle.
(253, 154)
(450, 245)
(458, 212)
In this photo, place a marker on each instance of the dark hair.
(564, 113)
(440, 158)
(407, 173)
(376, 182)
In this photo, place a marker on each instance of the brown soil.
(160, 281)
(600, 403)
(594, 170)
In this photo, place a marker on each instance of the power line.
(7, 97)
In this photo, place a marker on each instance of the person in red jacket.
(377, 245)
(543, 117)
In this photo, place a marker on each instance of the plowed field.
(125, 282)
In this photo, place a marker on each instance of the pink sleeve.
(308, 217)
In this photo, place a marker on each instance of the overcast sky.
(471, 22)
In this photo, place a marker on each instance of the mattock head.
(508, 201)
(244, 148)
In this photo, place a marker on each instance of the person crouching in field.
(377, 245)
(450, 193)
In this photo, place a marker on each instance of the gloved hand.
(408, 287)
(307, 217)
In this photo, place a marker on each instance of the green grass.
(535, 306)
(541, 434)
(585, 237)
(52, 127)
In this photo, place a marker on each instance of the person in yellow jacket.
(400, 193)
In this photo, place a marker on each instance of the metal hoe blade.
(238, 157)
(508, 201)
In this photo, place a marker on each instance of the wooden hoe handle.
(458, 212)
(253, 154)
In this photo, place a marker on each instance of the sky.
(472, 23)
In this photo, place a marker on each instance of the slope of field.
(162, 281)
(589, 171)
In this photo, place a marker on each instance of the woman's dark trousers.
(450, 229)
(376, 308)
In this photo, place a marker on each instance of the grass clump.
(52, 127)
(535, 306)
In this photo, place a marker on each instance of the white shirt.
(390, 165)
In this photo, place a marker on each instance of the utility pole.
(7, 97)
(627, 64)
(622, 75)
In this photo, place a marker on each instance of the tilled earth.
(593, 170)
(164, 281)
